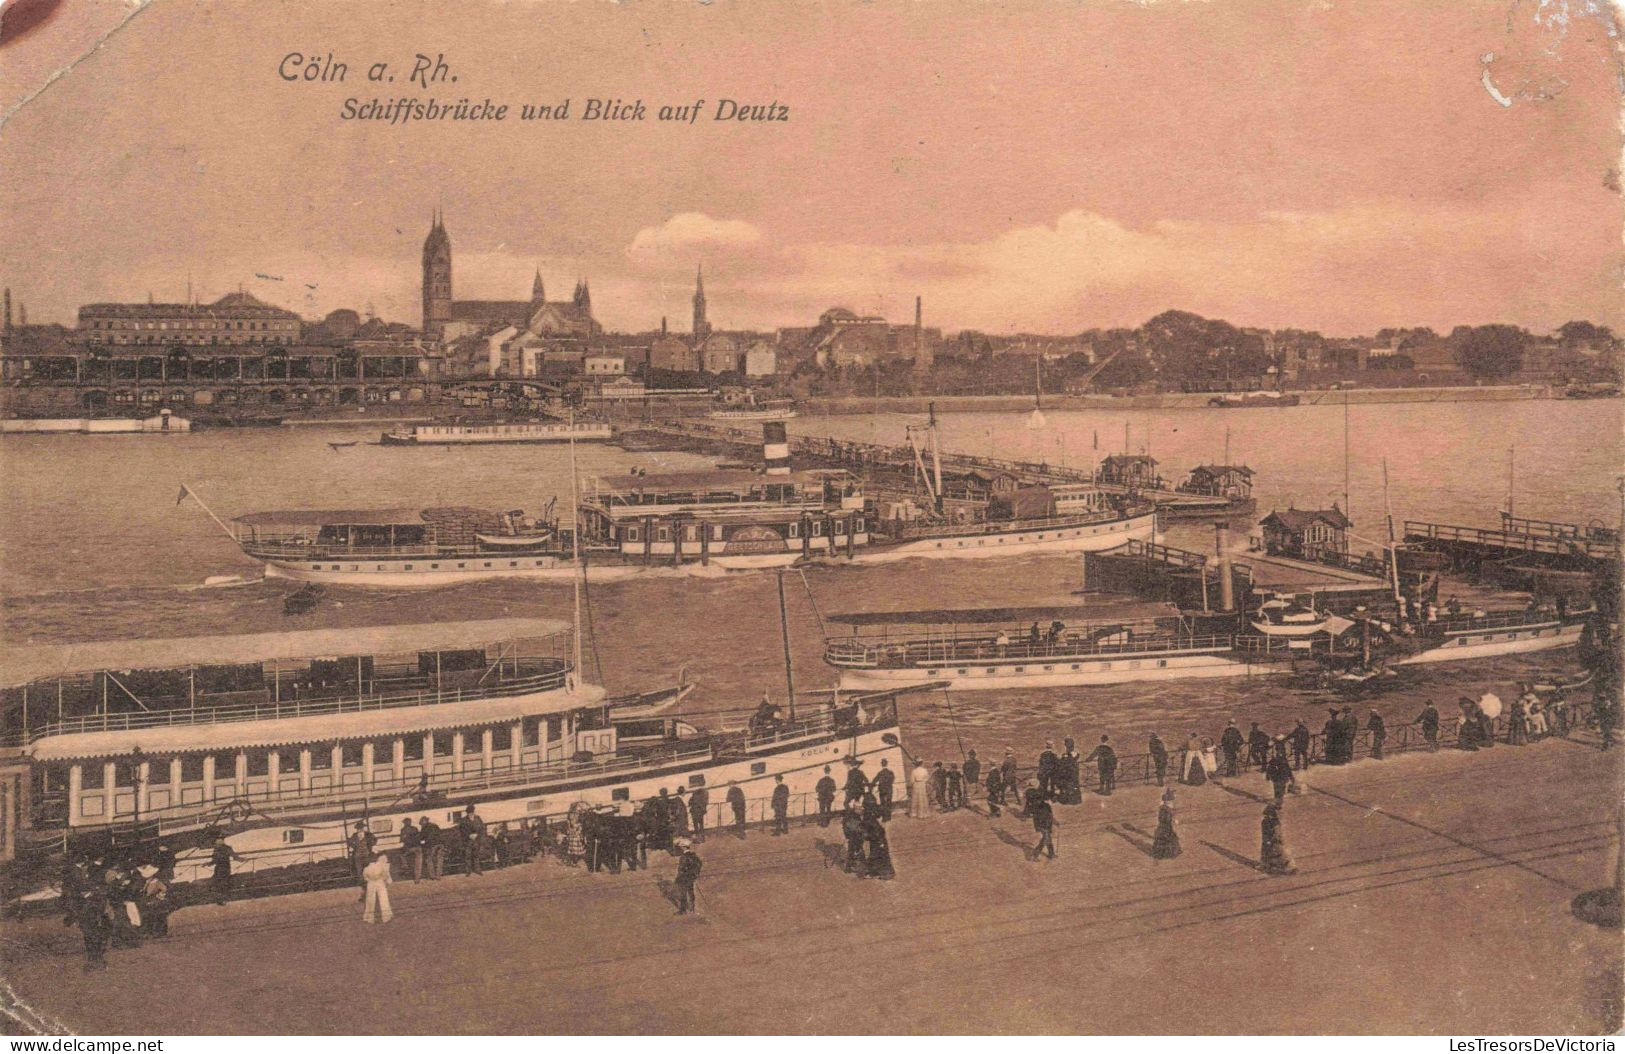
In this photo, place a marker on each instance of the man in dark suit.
(825, 792)
(781, 806)
(688, 873)
(736, 803)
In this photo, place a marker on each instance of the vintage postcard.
(811, 518)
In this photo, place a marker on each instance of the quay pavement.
(1432, 896)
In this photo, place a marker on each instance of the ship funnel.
(775, 449)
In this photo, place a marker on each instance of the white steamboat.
(280, 742)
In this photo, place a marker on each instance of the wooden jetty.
(1545, 543)
(872, 460)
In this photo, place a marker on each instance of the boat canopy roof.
(24, 665)
(323, 517)
(320, 728)
(714, 479)
(969, 616)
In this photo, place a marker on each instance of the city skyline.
(1377, 183)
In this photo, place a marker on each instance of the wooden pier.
(1554, 544)
(877, 459)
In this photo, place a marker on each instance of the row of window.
(258, 762)
(994, 671)
(214, 338)
(691, 532)
(194, 324)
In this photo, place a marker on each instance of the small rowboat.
(1548, 687)
(513, 541)
(341, 446)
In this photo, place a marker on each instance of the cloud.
(690, 232)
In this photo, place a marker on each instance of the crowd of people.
(119, 898)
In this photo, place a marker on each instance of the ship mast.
(575, 544)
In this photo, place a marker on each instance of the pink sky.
(1328, 164)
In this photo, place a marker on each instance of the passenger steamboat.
(521, 432)
(281, 742)
(987, 649)
(1486, 634)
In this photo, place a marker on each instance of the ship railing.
(847, 719)
(358, 800)
(877, 652)
(317, 553)
(1418, 530)
(555, 676)
(1489, 621)
(1004, 526)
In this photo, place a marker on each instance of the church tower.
(437, 276)
(538, 295)
(702, 328)
(583, 298)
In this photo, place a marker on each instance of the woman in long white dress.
(919, 782)
(377, 877)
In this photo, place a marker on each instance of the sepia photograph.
(811, 518)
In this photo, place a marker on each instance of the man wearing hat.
(825, 793)
(736, 802)
(688, 873)
(1300, 745)
(1231, 743)
(1278, 770)
(1048, 767)
(1007, 772)
(781, 806)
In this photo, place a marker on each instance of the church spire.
(538, 295)
(702, 328)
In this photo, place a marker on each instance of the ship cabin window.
(631, 534)
(531, 733)
(555, 726)
(259, 763)
(158, 772)
(691, 533)
(758, 768)
(502, 737)
(442, 744)
(621, 794)
(857, 525)
(473, 741)
(192, 768)
(383, 752)
(124, 773)
(55, 778)
(795, 530)
(412, 748)
(90, 776)
(818, 528)
(294, 836)
(321, 756)
(287, 762)
(716, 532)
(662, 534)
(350, 755)
(697, 780)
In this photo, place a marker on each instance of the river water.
(94, 546)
